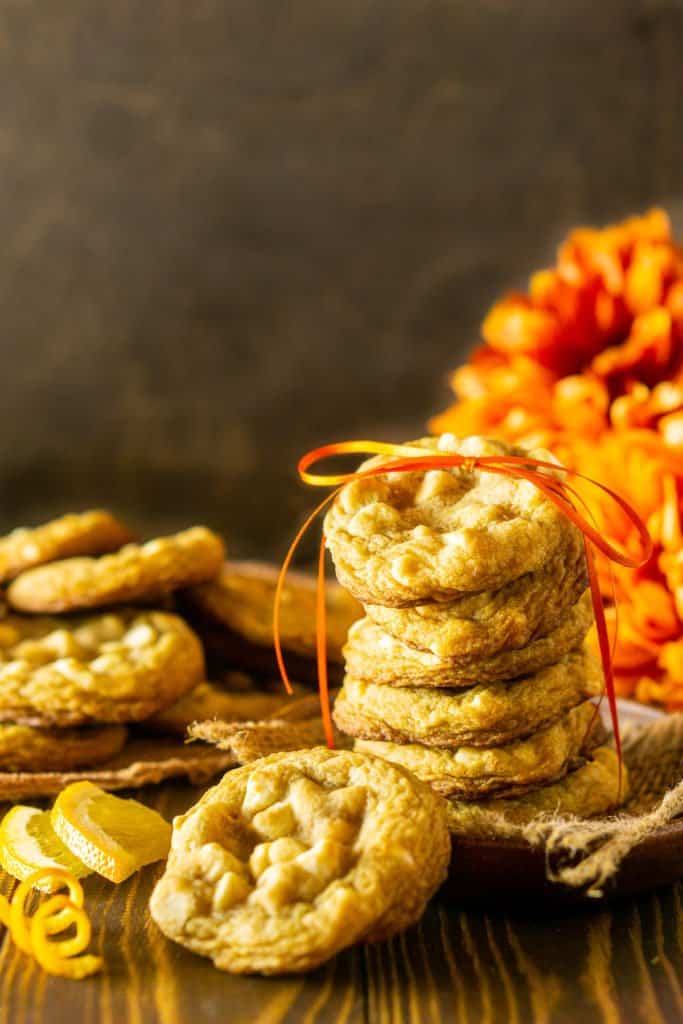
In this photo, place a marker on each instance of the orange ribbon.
(410, 459)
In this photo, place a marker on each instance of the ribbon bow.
(411, 459)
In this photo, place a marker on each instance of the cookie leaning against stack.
(69, 686)
(298, 855)
(469, 667)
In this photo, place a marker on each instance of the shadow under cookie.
(143, 761)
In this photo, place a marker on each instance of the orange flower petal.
(589, 363)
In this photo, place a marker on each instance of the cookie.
(485, 624)
(226, 651)
(472, 772)
(378, 657)
(136, 573)
(588, 791)
(406, 538)
(234, 616)
(486, 715)
(291, 859)
(83, 533)
(27, 749)
(208, 701)
(116, 667)
(144, 761)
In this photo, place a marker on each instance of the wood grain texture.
(612, 965)
(234, 230)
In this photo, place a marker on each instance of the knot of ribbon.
(550, 478)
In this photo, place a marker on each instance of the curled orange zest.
(65, 958)
(539, 472)
(31, 934)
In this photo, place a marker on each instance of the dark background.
(233, 229)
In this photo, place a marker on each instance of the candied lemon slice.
(114, 837)
(28, 843)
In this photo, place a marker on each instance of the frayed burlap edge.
(580, 853)
(586, 854)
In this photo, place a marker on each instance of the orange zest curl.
(406, 459)
(65, 958)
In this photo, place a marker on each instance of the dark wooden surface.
(231, 230)
(603, 964)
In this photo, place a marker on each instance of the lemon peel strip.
(55, 915)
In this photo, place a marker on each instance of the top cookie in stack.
(408, 538)
(469, 666)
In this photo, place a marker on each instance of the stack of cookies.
(469, 667)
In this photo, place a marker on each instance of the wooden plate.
(511, 873)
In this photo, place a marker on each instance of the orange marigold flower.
(581, 403)
(642, 406)
(648, 354)
(671, 564)
(589, 363)
(515, 326)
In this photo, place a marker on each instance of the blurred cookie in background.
(233, 615)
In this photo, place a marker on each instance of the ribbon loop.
(549, 477)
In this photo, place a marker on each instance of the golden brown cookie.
(116, 667)
(482, 625)
(239, 604)
(590, 790)
(406, 538)
(291, 859)
(82, 533)
(378, 657)
(24, 748)
(136, 573)
(482, 716)
(472, 772)
(208, 701)
(144, 761)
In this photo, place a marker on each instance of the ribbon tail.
(277, 640)
(605, 653)
(321, 648)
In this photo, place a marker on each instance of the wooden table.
(618, 964)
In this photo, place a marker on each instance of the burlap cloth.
(582, 853)
(587, 853)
